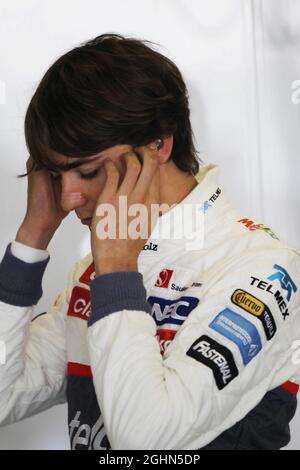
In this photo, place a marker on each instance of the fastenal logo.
(2, 353)
(215, 356)
(296, 93)
(248, 302)
(285, 280)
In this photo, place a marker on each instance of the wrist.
(30, 236)
(108, 267)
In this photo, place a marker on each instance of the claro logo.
(80, 304)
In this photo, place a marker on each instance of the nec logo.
(285, 280)
(164, 278)
(174, 312)
(80, 305)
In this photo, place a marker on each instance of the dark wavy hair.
(110, 90)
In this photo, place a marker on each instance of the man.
(158, 341)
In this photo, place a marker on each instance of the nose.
(71, 196)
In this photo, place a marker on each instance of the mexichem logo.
(285, 280)
(252, 226)
(164, 278)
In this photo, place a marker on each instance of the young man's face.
(88, 178)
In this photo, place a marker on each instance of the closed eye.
(87, 176)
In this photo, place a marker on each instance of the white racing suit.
(197, 350)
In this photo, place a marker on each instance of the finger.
(112, 180)
(150, 164)
(133, 169)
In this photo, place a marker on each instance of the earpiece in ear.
(159, 143)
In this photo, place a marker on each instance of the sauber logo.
(80, 305)
(88, 275)
(164, 278)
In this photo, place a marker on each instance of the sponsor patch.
(165, 311)
(215, 356)
(80, 305)
(255, 307)
(164, 278)
(285, 280)
(207, 204)
(252, 226)
(286, 283)
(165, 337)
(240, 331)
(88, 275)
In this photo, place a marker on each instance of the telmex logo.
(248, 302)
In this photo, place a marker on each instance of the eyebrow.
(69, 166)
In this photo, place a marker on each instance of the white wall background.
(240, 59)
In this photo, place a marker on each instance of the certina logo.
(166, 311)
(255, 307)
(215, 356)
(286, 283)
(80, 305)
(252, 226)
(84, 435)
(208, 204)
(164, 278)
(150, 247)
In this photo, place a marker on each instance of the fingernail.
(152, 146)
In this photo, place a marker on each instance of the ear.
(165, 149)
